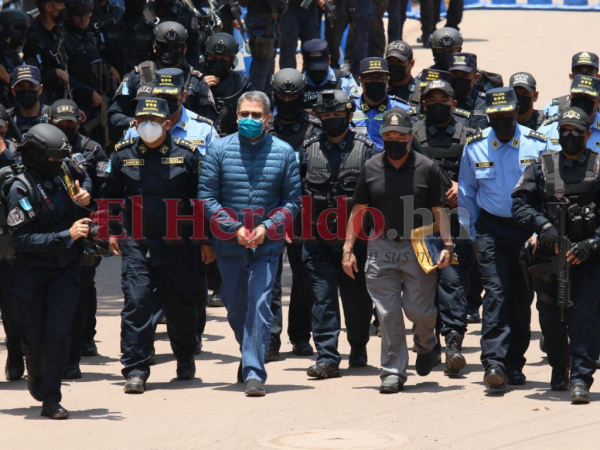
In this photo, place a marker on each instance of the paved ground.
(433, 412)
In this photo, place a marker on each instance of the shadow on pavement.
(175, 385)
(427, 386)
(89, 377)
(34, 413)
(270, 388)
(99, 360)
(210, 356)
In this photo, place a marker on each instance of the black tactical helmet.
(81, 4)
(288, 82)
(332, 101)
(170, 33)
(48, 140)
(446, 38)
(19, 21)
(222, 44)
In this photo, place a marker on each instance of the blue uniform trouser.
(202, 298)
(324, 263)
(366, 12)
(90, 323)
(453, 285)
(45, 302)
(578, 338)
(505, 331)
(302, 298)
(88, 273)
(9, 321)
(297, 23)
(246, 294)
(262, 69)
(146, 287)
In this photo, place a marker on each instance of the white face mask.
(150, 131)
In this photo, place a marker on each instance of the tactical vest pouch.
(147, 74)
(261, 47)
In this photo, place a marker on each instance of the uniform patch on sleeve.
(527, 161)
(26, 206)
(536, 135)
(484, 164)
(121, 144)
(177, 160)
(474, 138)
(101, 169)
(15, 217)
(185, 144)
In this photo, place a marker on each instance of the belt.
(506, 221)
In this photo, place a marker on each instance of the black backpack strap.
(555, 186)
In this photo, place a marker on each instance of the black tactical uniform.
(10, 57)
(156, 270)
(22, 123)
(231, 85)
(294, 126)
(103, 13)
(159, 11)
(329, 170)
(126, 42)
(47, 267)
(444, 145)
(45, 49)
(143, 78)
(573, 184)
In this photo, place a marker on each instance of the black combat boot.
(455, 361)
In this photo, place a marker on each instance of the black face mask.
(376, 91)
(60, 18)
(71, 134)
(397, 73)
(170, 56)
(34, 160)
(335, 126)
(288, 110)
(27, 98)
(318, 76)
(218, 67)
(585, 103)
(50, 169)
(525, 103)
(502, 126)
(571, 145)
(3, 45)
(173, 104)
(442, 60)
(461, 87)
(395, 150)
(438, 113)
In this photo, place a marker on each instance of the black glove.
(548, 236)
(583, 249)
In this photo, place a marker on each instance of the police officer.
(104, 11)
(425, 77)
(127, 41)
(525, 87)
(27, 90)
(90, 156)
(330, 164)
(444, 42)
(44, 48)
(320, 76)
(297, 23)
(293, 125)
(158, 11)
(374, 101)
(582, 63)
(226, 85)
(17, 23)
(47, 267)
(492, 163)
(169, 50)
(569, 177)
(585, 94)
(156, 166)
(399, 56)
(262, 23)
(84, 63)
(442, 138)
(463, 70)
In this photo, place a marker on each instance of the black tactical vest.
(448, 157)
(303, 129)
(578, 188)
(322, 184)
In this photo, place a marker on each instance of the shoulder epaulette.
(462, 112)
(552, 119)
(311, 140)
(185, 144)
(539, 136)
(476, 137)
(363, 138)
(200, 118)
(413, 111)
(124, 143)
(398, 99)
(314, 120)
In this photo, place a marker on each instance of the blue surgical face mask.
(250, 128)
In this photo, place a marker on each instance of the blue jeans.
(246, 293)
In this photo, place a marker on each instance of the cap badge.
(288, 86)
(171, 35)
(220, 47)
(394, 119)
(571, 115)
(460, 60)
(376, 64)
(65, 109)
(521, 78)
(437, 84)
(397, 46)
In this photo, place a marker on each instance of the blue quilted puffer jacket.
(242, 175)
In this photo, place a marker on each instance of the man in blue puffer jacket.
(250, 183)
